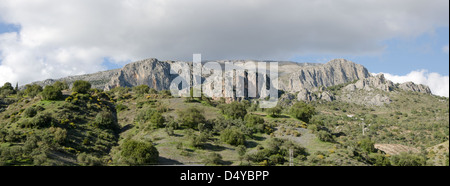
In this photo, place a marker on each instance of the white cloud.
(438, 84)
(59, 38)
(445, 49)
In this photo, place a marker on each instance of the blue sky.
(8, 28)
(401, 55)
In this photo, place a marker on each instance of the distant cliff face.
(151, 72)
(298, 78)
(294, 76)
(335, 72)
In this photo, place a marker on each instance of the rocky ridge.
(308, 81)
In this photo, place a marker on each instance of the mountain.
(293, 77)
(335, 72)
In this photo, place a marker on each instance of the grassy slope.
(412, 119)
(80, 135)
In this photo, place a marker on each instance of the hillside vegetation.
(55, 125)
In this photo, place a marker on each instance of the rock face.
(151, 72)
(326, 96)
(306, 80)
(305, 95)
(368, 84)
(335, 72)
(410, 86)
(97, 80)
(381, 83)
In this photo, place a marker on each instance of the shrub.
(232, 136)
(51, 93)
(121, 107)
(40, 121)
(157, 120)
(139, 153)
(325, 136)
(33, 90)
(367, 145)
(235, 110)
(302, 111)
(153, 91)
(61, 85)
(199, 140)
(88, 160)
(254, 122)
(141, 89)
(406, 159)
(213, 158)
(7, 89)
(274, 112)
(145, 115)
(30, 112)
(313, 128)
(377, 159)
(81, 86)
(106, 120)
(191, 117)
(241, 150)
(60, 135)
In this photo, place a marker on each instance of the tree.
(254, 122)
(325, 136)
(232, 136)
(274, 112)
(61, 85)
(153, 91)
(367, 145)
(157, 120)
(378, 159)
(302, 111)
(30, 112)
(51, 93)
(106, 120)
(213, 158)
(139, 153)
(17, 88)
(241, 150)
(407, 159)
(235, 110)
(33, 90)
(191, 117)
(7, 86)
(81, 86)
(141, 89)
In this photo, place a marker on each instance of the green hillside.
(141, 126)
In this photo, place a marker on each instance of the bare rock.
(335, 72)
(326, 96)
(410, 86)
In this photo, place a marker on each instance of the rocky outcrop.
(305, 95)
(308, 96)
(410, 86)
(326, 96)
(151, 72)
(370, 83)
(335, 72)
(307, 80)
(367, 98)
(381, 83)
(97, 80)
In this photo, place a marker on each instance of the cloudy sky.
(406, 39)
